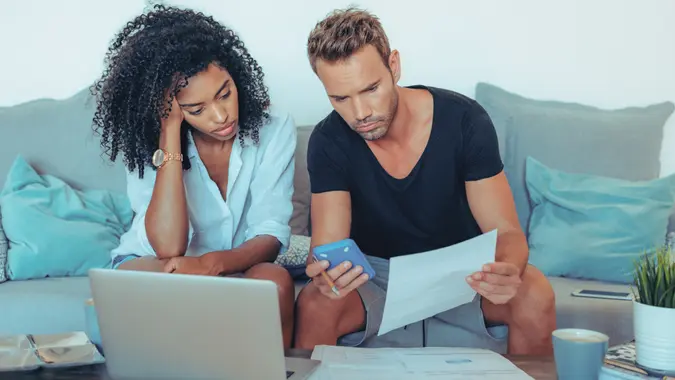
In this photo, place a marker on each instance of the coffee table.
(540, 368)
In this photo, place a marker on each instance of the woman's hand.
(189, 265)
(169, 137)
(174, 117)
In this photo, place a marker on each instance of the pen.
(327, 278)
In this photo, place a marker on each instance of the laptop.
(173, 326)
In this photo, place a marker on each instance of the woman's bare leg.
(286, 289)
(143, 263)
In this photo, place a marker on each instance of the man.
(403, 170)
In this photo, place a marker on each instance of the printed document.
(412, 363)
(424, 284)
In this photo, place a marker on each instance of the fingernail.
(346, 264)
(469, 279)
(476, 276)
(358, 269)
(325, 264)
(486, 268)
(365, 276)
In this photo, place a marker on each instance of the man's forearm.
(260, 249)
(512, 248)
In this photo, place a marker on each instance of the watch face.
(158, 157)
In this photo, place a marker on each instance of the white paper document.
(424, 284)
(412, 363)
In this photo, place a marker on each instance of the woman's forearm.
(166, 220)
(260, 249)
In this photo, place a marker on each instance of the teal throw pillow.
(55, 230)
(592, 227)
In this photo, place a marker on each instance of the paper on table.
(412, 363)
(424, 284)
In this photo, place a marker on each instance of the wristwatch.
(160, 157)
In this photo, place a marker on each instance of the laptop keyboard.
(289, 374)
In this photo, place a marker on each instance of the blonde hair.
(343, 33)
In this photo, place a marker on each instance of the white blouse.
(259, 191)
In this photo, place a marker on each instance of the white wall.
(56, 48)
(606, 53)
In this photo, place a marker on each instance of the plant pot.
(654, 337)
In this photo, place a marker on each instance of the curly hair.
(149, 61)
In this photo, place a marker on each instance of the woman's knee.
(143, 263)
(274, 273)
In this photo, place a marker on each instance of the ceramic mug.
(579, 354)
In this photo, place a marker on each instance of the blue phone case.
(344, 250)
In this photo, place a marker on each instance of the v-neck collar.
(234, 166)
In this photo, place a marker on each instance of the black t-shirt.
(426, 210)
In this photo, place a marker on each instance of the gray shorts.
(463, 326)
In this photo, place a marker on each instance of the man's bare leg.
(530, 315)
(321, 320)
(286, 289)
(144, 263)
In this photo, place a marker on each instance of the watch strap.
(169, 156)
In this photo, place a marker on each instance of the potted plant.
(654, 311)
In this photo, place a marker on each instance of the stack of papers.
(28, 352)
(412, 363)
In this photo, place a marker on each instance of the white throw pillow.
(295, 258)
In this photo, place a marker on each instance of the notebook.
(620, 363)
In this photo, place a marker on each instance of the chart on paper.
(413, 363)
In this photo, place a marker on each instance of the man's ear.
(395, 65)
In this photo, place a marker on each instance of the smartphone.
(344, 250)
(624, 296)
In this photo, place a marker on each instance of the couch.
(55, 136)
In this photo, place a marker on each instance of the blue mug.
(579, 354)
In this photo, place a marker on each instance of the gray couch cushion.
(623, 143)
(44, 306)
(56, 137)
(301, 194)
(612, 317)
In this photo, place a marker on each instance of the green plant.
(654, 278)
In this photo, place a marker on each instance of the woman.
(209, 166)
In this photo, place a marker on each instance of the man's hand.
(345, 278)
(189, 265)
(498, 282)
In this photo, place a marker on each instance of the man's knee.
(312, 304)
(343, 315)
(536, 298)
(274, 273)
(310, 300)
